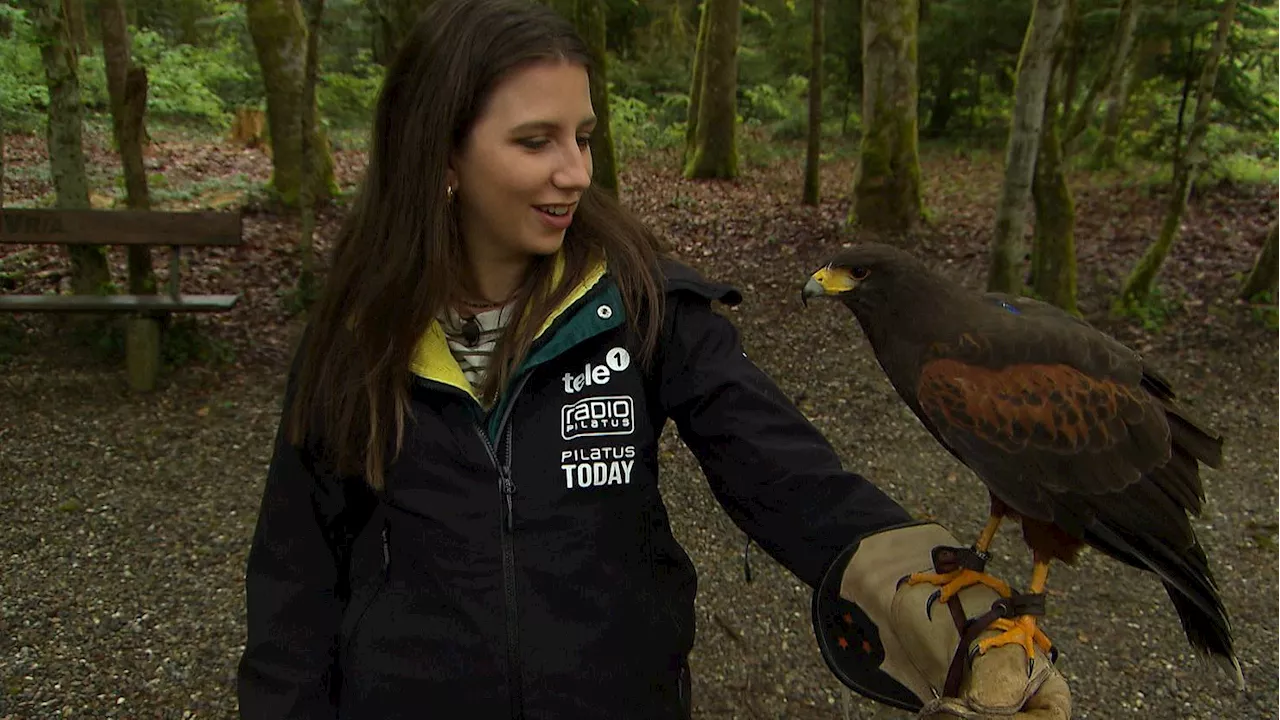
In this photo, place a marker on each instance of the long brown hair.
(398, 259)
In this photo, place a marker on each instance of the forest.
(1117, 158)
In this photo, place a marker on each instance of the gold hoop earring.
(448, 193)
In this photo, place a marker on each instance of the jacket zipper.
(508, 490)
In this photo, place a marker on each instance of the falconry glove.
(892, 642)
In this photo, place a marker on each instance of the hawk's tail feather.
(1207, 634)
(1185, 431)
(1189, 582)
(1204, 445)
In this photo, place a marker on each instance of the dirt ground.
(126, 518)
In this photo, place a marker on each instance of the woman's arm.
(775, 474)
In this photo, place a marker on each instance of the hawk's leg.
(963, 568)
(1022, 630)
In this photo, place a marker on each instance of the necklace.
(481, 306)
(468, 325)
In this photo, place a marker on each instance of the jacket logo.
(594, 467)
(616, 360)
(598, 416)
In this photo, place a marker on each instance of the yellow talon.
(1019, 631)
(957, 580)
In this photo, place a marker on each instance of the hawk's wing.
(1052, 416)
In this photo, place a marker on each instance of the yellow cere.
(834, 280)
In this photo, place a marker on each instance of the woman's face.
(521, 171)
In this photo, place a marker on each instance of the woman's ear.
(451, 177)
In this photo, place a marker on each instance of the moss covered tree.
(812, 189)
(392, 20)
(588, 18)
(306, 287)
(886, 184)
(280, 40)
(1113, 65)
(1035, 69)
(1053, 256)
(715, 150)
(90, 274)
(1262, 277)
(127, 88)
(1187, 164)
(1104, 152)
(695, 89)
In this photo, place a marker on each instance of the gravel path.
(127, 520)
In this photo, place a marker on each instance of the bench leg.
(142, 353)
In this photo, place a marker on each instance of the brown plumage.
(1070, 430)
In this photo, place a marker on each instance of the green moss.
(887, 184)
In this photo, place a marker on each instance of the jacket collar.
(433, 361)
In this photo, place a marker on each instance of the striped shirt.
(473, 339)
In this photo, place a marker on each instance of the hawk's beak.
(827, 282)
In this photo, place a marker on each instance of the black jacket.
(521, 564)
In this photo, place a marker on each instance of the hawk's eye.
(859, 273)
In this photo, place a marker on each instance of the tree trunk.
(1034, 70)
(943, 101)
(886, 184)
(1112, 67)
(812, 189)
(90, 274)
(1262, 278)
(1187, 164)
(715, 151)
(695, 91)
(127, 87)
(392, 21)
(1104, 153)
(307, 131)
(1066, 63)
(280, 39)
(588, 18)
(77, 32)
(1053, 255)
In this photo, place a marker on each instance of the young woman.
(462, 514)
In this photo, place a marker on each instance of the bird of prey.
(1071, 432)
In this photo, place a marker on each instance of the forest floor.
(125, 519)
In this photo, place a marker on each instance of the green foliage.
(968, 58)
(651, 78)
(347, 98)
(196, 192)
(1241, 167)
(638, 128)
(783, 111)
(23, 93)
(1243, 114)
(1262, 308)
(185, 82)
(1155, 312)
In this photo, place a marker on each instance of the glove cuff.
(892, 643)
(855, 639)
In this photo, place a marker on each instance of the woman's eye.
(534, 143)
(584, 140)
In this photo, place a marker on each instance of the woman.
(462, 513)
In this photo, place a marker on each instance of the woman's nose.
(575, 168)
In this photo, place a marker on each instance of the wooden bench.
(124, 227)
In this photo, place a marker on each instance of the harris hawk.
(1071, 432)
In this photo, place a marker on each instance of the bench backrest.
(119, 227)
